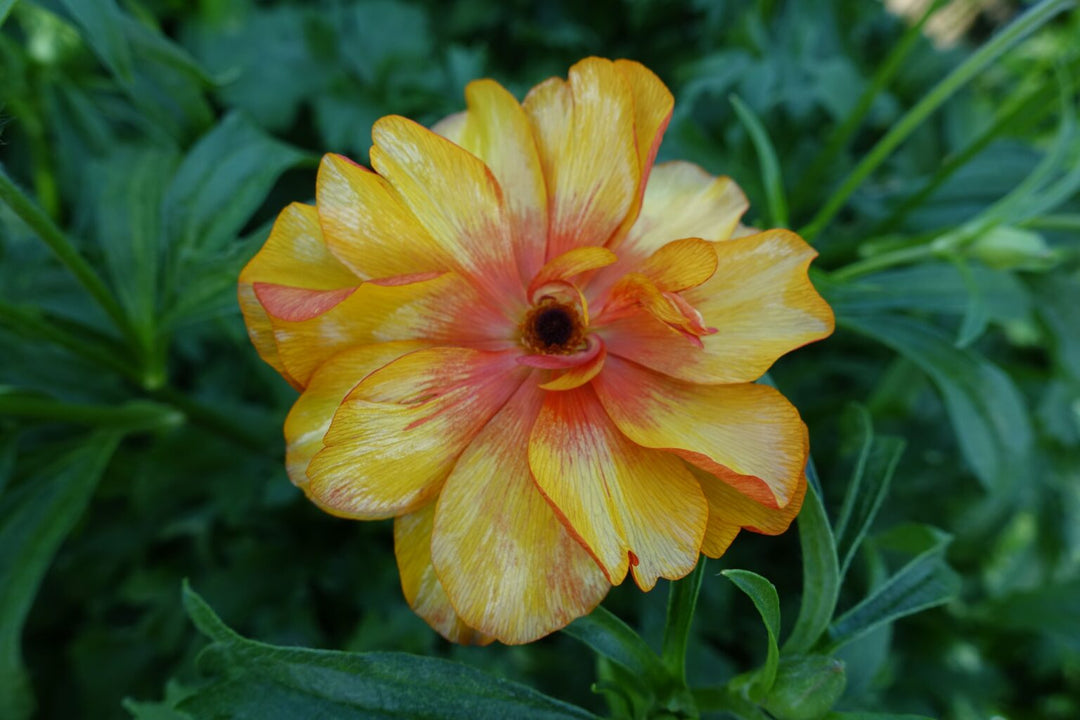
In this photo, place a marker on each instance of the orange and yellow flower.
(536, 351)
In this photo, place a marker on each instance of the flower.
(536, 351)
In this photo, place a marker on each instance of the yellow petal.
(310, 416)
(584, 129)
(412, 546)
(681, 264)
(443, 310)
(509, 566)
(294, 255)
(748, 434)
(457, 199)
(368, 227)
(569, 264)
(631, 506)
(727, 506)
(718, 537)
(496, 130)
(399, 432)
(578, 375)
(760, 300)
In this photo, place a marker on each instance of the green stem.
(131, 416)
(682, 601)
(841, 134)
(767, 162)
(983, 57)
(901, 256)
(211, 420)
(1068, 222)
(54, 237)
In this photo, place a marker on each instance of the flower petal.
(297, 304)
(760, 300)
(294, 255)
(727, 506)
(509, 566)
(457, 199)
(443, 310)
(578, 375)
(399, 432)
(749, 435)
(681, 264)
(631, 506)
(497, 131)
(368, 227)
(584, 130)
(424, 593)
(310, 416)
(569, 264)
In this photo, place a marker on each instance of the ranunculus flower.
(536, 351)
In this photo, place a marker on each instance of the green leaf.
(874, 716)
(770, 166)
(987, 412)
(925, 582)
(821, 574)
(763, 594)
(265, 682)
(5, 8)
(1059, 309)
(867, 489)
(807, 686)
(1052, 610)
(682, 602)
(34, 520)
(612, 638)
(102, 22)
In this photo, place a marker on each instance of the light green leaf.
(821, 574)
(925, 582)
(987, 411)
(34, 520)
(102, 23)
(763, 594)
(266, 682)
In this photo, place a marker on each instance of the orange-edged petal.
(442, 310)
(760, 300)
(569, 264)
(681, 264)
(368, 227)
(412, 546)
(509, 566)
(631, 506)
(727, 506)
(749, 435)
(718, 537)
(310, 416)
(584, 130)
(636, 292)
(454, 195)
(294, 255)
(496, 130)
(653, 105)
(297, 304)
(399, 432)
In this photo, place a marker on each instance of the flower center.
(552, 327)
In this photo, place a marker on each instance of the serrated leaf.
(763, 594)
(34, 520)
(987, 411)
(265, 682)
(925, 582)
(821, 574)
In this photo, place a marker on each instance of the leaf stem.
(976, 63)
(682, 602)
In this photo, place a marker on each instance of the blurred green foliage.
(154, 141)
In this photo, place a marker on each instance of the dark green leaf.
(987, 411)
(821, 574)
(264, 682)
(102, 22)
(610, 637)
(1052, 610)
(34, 520)
(807, 686)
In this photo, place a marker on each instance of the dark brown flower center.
(552, 327)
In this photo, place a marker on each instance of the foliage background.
(140, 436)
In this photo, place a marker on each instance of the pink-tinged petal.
(368, 226)
(412, 546)
(633, 508)
(310, 416)
(584, 129)
(568, 265)
(294, 255)
(457, 199)
(653, 105)
(635, 293)
(445, 310)
(496, 130)
(509, 566)
(297, 304)
(748, 435)
(761, 302)
(399, 432)
(582, 373)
